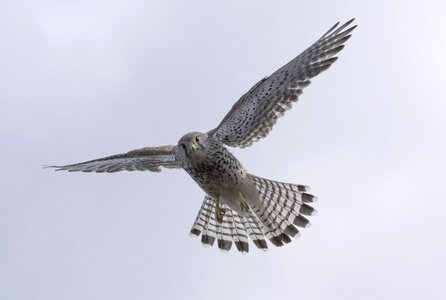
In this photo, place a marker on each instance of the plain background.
(86, 79)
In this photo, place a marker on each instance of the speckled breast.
(218, 171)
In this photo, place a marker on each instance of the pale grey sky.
(85, 79)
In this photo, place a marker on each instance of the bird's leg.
(219, 212)
(243, 202)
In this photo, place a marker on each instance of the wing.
(255, 113)
(144, 159)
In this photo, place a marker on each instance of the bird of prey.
(237, 204)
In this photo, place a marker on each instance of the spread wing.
(144, 159)
(255, 113)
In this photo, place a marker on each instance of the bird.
(239, 206)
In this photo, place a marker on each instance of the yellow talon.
(243, 202)
(219, 213)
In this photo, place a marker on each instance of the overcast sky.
(85, 79)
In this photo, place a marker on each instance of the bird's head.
(193, 146)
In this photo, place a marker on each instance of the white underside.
(230, 195)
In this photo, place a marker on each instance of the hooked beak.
(192, 147)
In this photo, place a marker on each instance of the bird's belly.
(217, 184)
(235, 196)
(231, 198)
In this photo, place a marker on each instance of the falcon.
(238, 205)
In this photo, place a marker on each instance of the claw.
(219, 212)
(243, 202)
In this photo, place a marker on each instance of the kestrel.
(238, 204)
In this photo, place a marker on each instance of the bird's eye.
(183, 146)
(197, 139)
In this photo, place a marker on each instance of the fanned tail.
(281, 208)
(286, 203)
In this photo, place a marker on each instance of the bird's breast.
(219, 172)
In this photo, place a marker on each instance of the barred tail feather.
(202, 218)
(224, 235)
(254, 229)
(202, 223)
(240, 237)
